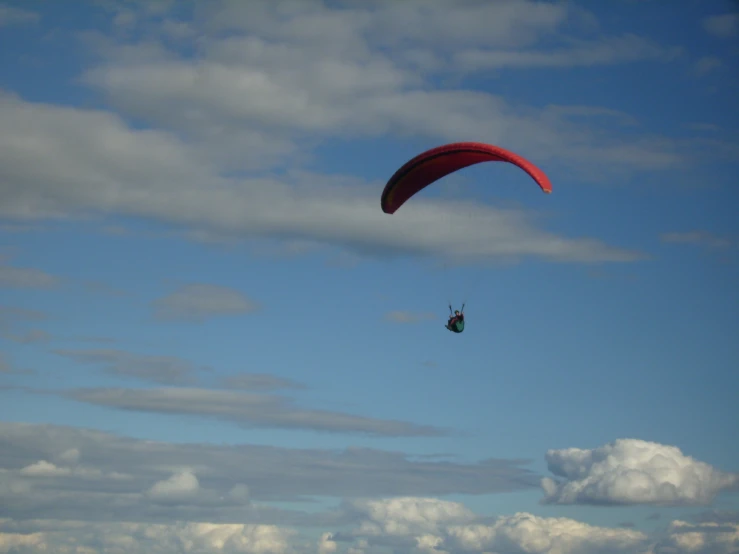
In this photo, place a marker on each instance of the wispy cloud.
(259, 382)
(337, 211)
(706, 65)
(13, 319)
(24, 277)
(197, 302)
(722, 26)
(168, 370)
(613, 50)
(11, 15)
(32, 336)
(700, 238)
(246, 409)
(271, 473)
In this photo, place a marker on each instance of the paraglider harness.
(456, 322)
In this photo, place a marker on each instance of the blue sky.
(211, 335)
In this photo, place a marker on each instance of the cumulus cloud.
(436, 526)
(67, 465)
(44, 469)
(139, 538)
(702, 538)
(178, 487)
(527, 533)
(521, 533)
(326, 544)
(408, 516)
(197, 302)
(630, 471)
(135, 496)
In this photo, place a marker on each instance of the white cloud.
(239, 492)
(301, 89)
(191, 499)
(59, 162)
(326, 544)
(432, 525)
(197, 302)
(180, 486)
(44, 469)
(630, 471)
(699, 538)
(312, 73)
(140, 538)
(722, 26)
(10, 543)
(70, 456)
(531, 534)
(71, 468)
(408, 516)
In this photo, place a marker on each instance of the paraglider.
(432, 165)
(456, 320)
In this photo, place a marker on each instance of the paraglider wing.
(439, 162)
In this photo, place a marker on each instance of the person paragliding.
(456, 320)
(430, 166)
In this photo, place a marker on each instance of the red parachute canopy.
(439, 162)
